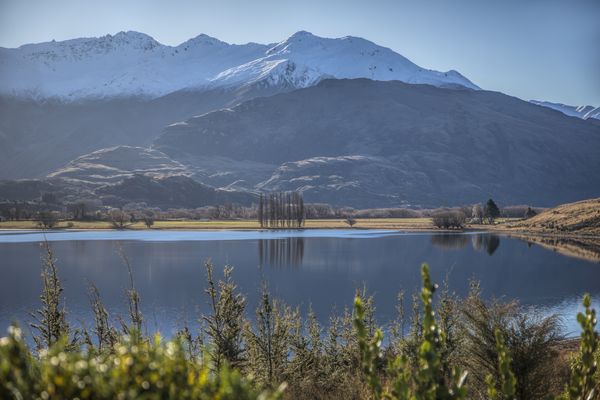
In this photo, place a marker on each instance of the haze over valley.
(344, 121)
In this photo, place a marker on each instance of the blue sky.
(533, 49)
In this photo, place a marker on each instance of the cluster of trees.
(281, 210)
(487, 213)
(449, 219)
(454, 348)
(456, 218)
(15, 211)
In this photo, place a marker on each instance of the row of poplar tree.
(281, 210)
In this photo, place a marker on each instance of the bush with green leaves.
(584, 383)
(428, 382)
(400, 381)
(147, 369)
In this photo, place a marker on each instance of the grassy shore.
(379, 223)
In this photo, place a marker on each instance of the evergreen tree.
(530, 213)
(491, 211)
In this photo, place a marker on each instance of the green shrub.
(507, 381)
(428, 382)
(148, 369)
(583, 384)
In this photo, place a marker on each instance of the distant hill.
(40, 136)
(365, 143)
(163, 192)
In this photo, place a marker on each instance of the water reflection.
(585, 248)
(288, 252)
(486, 242)
(449, 240)
(480, 242)
(316, 270)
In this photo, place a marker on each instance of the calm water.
(318, 268)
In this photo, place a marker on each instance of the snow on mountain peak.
(135, 64)
(304, 59)
(203, 40)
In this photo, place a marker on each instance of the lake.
(317, 268)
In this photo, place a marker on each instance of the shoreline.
(398, 224)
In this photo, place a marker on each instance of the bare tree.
(281, 210)
(477, 213)
(47, 219)
(119, 219)
(148, 221)
(350, 221)
(78, 210)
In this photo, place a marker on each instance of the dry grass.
(362, 223)
(574, 219)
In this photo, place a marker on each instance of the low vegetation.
(453, 349)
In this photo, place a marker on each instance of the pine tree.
(491, 211)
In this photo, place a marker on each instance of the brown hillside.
(580, 218)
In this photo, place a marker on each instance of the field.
(380, 223)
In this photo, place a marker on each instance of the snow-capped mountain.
(126, 64)
(304, 59)
(134, 64)
(583, 112)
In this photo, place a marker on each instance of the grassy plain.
(379, 223)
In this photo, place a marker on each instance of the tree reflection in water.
(449, 240)
(480, 242)
(287, 252)
(486, 242)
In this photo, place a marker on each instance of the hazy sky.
(533, 49)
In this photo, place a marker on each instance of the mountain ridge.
(583, 112)
(135, 64)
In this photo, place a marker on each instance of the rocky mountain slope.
(368, 143)
(583, 112)
(39, 136)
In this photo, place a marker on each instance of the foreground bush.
(429, 382)
(134, 370)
